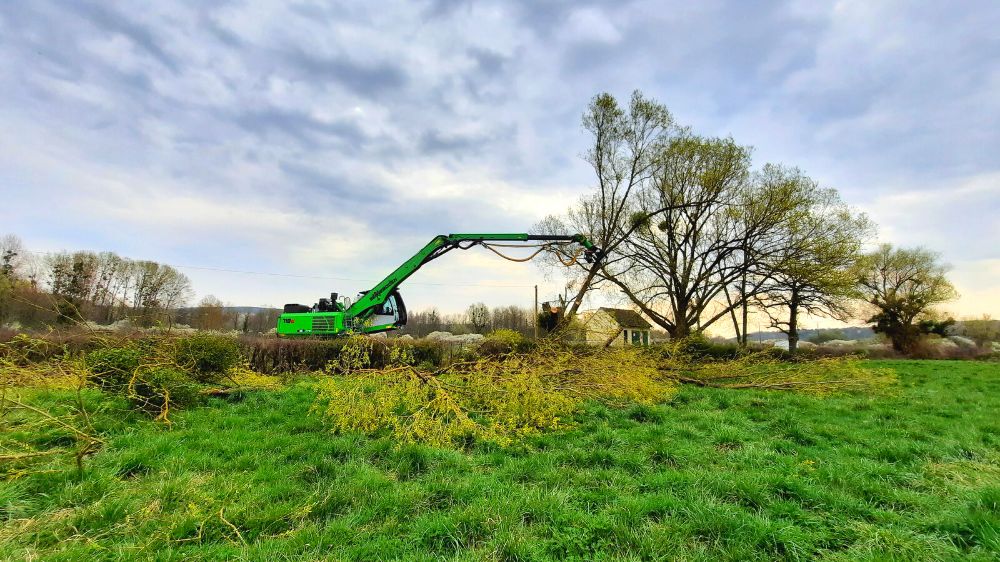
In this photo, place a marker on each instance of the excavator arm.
(321, 320)
(442, 244)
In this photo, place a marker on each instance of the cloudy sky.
(331, 141)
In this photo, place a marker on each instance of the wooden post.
(534, 319)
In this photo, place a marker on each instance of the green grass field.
(712, 475)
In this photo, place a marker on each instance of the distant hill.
(850, 333)
(236, 309)
(249, 309)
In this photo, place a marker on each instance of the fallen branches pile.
(30, 434)
(494, 399)
(156, 375)
(500, 399)
(765, 372)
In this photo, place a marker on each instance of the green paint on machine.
(381, 308)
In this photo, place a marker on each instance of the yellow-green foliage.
(494, 399)
(819, 376)
(206, 357)
(243, 377)
(502, 341)
(23, 364)
(507, 336)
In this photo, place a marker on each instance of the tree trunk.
(732, 315)
(681, 330)
(571, 311)
(743, 295)
(793, 321)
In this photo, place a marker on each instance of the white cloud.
(957, 218)
(591, 25)
(337, 138)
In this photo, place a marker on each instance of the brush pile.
(498, 398)
(505, 396)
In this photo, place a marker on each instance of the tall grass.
(712, 474)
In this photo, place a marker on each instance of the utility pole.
(534, 319)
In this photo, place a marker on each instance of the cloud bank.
(334, 139)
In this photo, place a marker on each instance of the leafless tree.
(478, 315)
(626, 144)
(12, 256)
(688, 247)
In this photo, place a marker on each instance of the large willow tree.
(902, 285)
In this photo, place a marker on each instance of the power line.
(272, 274)
(325, 278)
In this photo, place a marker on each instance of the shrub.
(158, 389)
(114, 367)
(428, 352)
(501, 342)
(142, 372)
(36, 348)
(697, 346)
(23, 349)
(207, 356)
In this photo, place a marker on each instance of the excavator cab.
(391, 312)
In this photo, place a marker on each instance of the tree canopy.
(902, 284)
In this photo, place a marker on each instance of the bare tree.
(686, 251)
(11, 250)
(174, 293)
(71, 279)
(12, 255)
(261, 321)
(982, 330)
(771, 200)
(685, 227)
(211, 314)
(21, 299)
(86, 286)
(110, 276)
(421, 323)
(513, 318)
(626, 143)
(479, 317)
(157, 290)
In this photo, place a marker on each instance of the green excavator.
(381, 308)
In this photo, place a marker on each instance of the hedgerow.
(113, 367)
(503, 341)
(207, 357)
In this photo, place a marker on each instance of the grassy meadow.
(713, 474)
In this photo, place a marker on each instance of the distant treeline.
(478, 318)
(65, 288)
